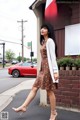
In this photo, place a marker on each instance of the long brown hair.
(50, 34)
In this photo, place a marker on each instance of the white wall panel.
(72, 39)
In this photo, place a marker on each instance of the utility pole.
(3, 53)
(22, 38)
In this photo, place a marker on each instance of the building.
(67, 28)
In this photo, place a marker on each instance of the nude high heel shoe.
(20, 109)
(54, 115)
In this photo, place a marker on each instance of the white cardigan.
(50, 45)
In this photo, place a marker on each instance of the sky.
(12, 11)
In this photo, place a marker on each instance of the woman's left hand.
(56, 76)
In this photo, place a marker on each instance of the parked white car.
(14, 62)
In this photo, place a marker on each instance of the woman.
(48, 75)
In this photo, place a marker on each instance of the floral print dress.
(44, 80)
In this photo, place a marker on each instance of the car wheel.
(15, 73)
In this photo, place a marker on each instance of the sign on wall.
(72, 39)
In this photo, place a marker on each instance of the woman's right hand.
(56, 76)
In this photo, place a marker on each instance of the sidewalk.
(7, 96)
(1, 68)
(35, 111)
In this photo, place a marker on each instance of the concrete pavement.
(15, 96)
(35, 111)
(7, 96)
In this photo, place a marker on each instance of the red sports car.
(23, 69)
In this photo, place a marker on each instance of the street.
(7, 81)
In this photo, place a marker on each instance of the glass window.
(72, 39)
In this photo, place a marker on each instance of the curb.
(69, 109)
(7, 96)
(6, 101)
(3, 68)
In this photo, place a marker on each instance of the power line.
(10, 42)
(8, 37)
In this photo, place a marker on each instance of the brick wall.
(68, 93)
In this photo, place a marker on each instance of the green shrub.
(77, 62)
(61, 62)
(74, 63)
(65, 61)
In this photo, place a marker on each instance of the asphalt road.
(7, 81)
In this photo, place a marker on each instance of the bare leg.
(29, 98)
(52, 99)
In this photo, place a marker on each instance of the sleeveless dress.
(44, 80)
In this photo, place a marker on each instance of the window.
(72, 39)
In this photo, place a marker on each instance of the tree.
(28, 59)
(24, 59)
(19, 58)
(34, 59)
(10, 55)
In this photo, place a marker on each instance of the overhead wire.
(9, 41)
(12, 42)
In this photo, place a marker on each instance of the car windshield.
(27, 64)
